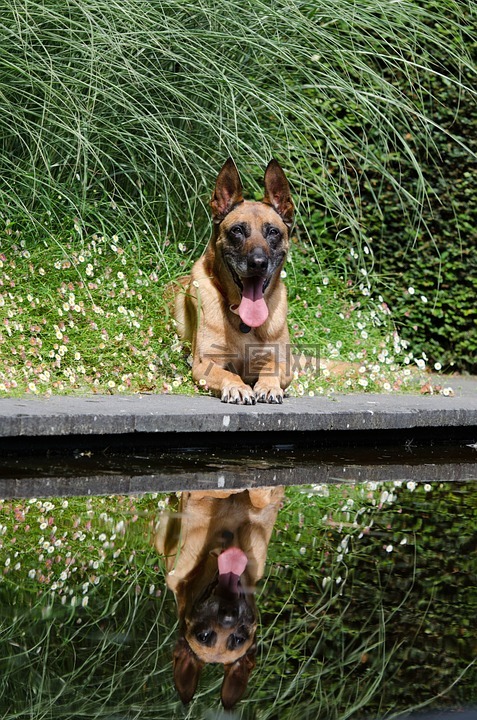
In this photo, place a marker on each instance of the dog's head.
(218, 621)
(252, 238)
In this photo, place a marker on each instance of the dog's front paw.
(238, 394)
(268, 394)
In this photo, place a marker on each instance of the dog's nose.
(228, 616)
(257, 261)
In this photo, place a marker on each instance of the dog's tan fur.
(205, 297)
(191, 540)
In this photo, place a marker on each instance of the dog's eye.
(235, 641)
(237, 231)
(273, 234)
(205, 637)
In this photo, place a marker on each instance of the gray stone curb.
(119, 414)
(206, 418)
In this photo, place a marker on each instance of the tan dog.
(215, 549)
(233, 306)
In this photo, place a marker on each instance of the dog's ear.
(228, 191)
(277, 192)
(236, 678)
(187, 669)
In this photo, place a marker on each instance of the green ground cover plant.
(89, 315)
(116, 117)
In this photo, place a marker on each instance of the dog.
(232, 307)
(215, 549)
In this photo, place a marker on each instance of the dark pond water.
(366, 608)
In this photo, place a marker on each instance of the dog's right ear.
(187, 669)
(236, 678)
(228, 191)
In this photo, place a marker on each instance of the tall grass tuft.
(121, 112)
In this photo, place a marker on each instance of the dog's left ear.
(236, 678)
(228, 191)
(277, 192)
(187, 670)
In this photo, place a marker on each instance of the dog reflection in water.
(215, 549)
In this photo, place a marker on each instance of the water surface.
(367, 607)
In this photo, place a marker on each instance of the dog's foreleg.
(227, 385)
(272, 381)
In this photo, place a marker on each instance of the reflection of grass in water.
(66, 662)
(337, 585)
(366, 627)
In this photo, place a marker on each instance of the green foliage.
(430, 274)
(119, 114)
(142, 101)
(422, 257)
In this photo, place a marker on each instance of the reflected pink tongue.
(253, 309)
(233, 561)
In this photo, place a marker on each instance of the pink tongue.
(253, 309)
(233, 561)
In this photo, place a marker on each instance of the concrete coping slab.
(124, 414)
(165, 422)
